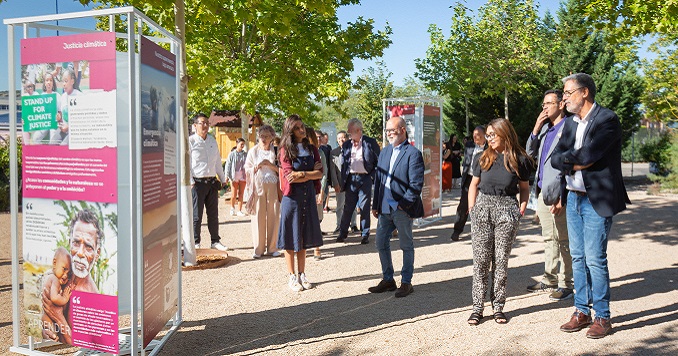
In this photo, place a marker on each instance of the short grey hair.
(583, 80)
(266, 129)
(355, 122)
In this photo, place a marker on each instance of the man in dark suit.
(473, 148)
(360, 155)
(589, 157)
(397, 200)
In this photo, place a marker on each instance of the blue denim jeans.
(588, 234)
(399, 220)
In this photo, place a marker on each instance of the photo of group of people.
(61, 81)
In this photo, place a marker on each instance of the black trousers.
(462, 208)
(206, 196)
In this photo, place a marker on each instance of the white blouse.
(265, 174)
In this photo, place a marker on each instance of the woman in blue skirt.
(300, 174)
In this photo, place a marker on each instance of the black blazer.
(468, 157)
(370, 158)
(602, 148)
(406, 182)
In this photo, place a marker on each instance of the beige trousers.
(266, 220)
(556, 247)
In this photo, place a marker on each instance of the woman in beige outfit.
(262, 189)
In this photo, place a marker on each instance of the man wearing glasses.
(397, 200)
(207, 178)
(589, 156)
(543, 140)
(359, 159)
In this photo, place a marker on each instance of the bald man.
(397, 201)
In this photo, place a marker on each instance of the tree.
(508, 41)
(631, 18)
(269, 56)
(661, 91)
(373, 86)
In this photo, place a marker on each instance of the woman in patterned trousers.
(499, 174)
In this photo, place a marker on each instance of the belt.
(204, 180)
(581, 194)
(359, 174)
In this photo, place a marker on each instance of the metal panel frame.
(135, 21)
(419, 102)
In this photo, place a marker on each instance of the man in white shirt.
(207, 178)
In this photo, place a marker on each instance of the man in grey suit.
(548, 180)
(473, 148)
(335, 181)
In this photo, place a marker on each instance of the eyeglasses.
(570, 92)
(391, 131)
(490, 136)
(544, 105)
(204, 123)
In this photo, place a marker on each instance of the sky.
(409, 20)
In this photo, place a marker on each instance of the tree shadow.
(648, 218)
(323, 320)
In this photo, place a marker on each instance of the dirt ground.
(245, 307)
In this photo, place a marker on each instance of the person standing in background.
(234, 168)
(360, 155)
(543, 140)
(207, 178)
(262, 193)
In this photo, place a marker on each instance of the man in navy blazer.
(360, 155)
(397, 200)
(589, 157)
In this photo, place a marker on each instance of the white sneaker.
(304, 281)
(219, 246)
(293, 283)
(232, 212)
(256, 256)
(240, 213)
(188, 264)
(197, 246)
(276, 254)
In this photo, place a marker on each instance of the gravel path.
(246, 307)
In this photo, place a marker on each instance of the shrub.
(4, 173)
(658, 150)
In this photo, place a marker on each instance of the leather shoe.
(456, 235)
(599, 329)
(365, 240)
(577, 322)
(383, 286)
(404, 290)
(341, 239)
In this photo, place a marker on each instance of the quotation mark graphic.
(73, 102)
(75, 300)
(29, 206)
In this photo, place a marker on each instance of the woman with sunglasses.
(499, 174)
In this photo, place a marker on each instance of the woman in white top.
(234, 168)
(262, 193)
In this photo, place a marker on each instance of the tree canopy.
(272, 56)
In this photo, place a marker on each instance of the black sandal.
(475, 318)
(500, 318)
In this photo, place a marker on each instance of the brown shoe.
(599, 329)
(578, 321)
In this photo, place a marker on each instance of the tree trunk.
(244, 126)
(506, 116)
(468, 133)
(186, 199)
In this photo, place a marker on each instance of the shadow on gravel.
(651, 218)
(319, 321)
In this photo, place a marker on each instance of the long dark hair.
(513, 150)
(287, 141)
